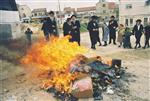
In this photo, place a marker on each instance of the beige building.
(131, 10)
(106, 9)
(24, 11)
(39, 12)
(84, 13)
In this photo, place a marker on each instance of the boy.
(28, 33)
(126, 38)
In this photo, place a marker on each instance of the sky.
(53, 4)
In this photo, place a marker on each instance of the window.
(104, 5)
(145, 21)
(129, 6)
(131, 22)
(104, 11)
(24, 15)
(126, 22)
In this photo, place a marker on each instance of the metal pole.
(59, 11)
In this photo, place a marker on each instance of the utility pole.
(60, 15)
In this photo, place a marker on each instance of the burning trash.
(71, 75)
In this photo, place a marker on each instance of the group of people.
(124, 33)
(72, 27)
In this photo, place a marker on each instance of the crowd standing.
(109, 31)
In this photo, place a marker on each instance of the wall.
(138, 11)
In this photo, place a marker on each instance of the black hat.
(73, 16)
(94, 17)
(112, 16)
(51, 12)
(138, 20)
(68, 19)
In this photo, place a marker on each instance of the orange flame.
(54, 57)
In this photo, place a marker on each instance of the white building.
(131, 10)
(106, 9)
(24, 11)
(39, 12)
(9, 20)
(84, 13)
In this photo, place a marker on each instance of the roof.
(69, 9)
(9, 5)
(84, 9)
(39, 10)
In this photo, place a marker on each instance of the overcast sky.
(53, 4)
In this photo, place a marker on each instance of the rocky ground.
(16, 85)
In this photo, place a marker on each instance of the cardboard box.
(83, 88)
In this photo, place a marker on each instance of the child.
(28, 33)
(120, 34)
(105, 33)
(126, 38)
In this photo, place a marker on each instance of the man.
(53, 25)
(75, 33)
(93, 31)
(46, 28)
(137, 31)
(67, 27)
(147, 35)
(112, 27)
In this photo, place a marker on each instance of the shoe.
(100, 44)
(139, 47)
(115, 44)
(119, 46)
(135, 47)
(93, 47)
(105, 45)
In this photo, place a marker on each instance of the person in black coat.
(67, 27)
(112, 27)
(45, 27)
(147, 35)
(53, 25)
(93, 29)
(75, 32)
(137, 31)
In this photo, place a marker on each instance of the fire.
(54, 58)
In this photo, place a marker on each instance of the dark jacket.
(50, 26)
(112, 27)
(46, 27)
(75, 33)
(53, 27)
(67, 29)
(28, 33)
(93, 34)
(136, 31)
(147, 29)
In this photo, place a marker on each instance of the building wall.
(130, 11)
(24, 11)
(39, 13)
(103, 10)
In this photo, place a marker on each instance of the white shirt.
(138, 27)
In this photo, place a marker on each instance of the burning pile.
(54, 57)
(70, 75)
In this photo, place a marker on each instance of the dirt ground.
(15, 84)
